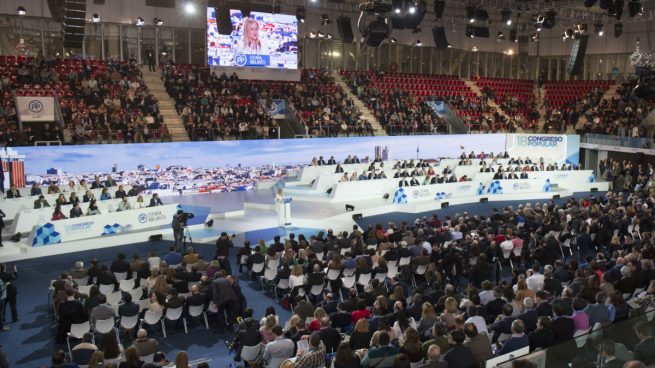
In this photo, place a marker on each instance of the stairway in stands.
(474, 87)
(367, 115)
(166, 106)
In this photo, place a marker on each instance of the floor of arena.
(31, 340)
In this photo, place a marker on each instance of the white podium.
(283, 208)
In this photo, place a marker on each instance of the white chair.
(174, 314)
(256, 269)
(136, 293)
(268, 277)
(344, 251)
(77, 331)
(420, 271)
(129, 322)
(364, 279)
(581, 337)
(381, 277)
(106, 289)
(392, 271)
(86, 289)
(153, 318)
(190, 284)
(196, 311)
(317, 290)
(126, 285)
(404, 261)
(333, 274)
(282, 284)
(104, 326)
(81, 282)
(252, 354)
(114, 298)
(120, 276)
(143, 282)
(244, 259)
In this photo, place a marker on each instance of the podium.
(283, 208)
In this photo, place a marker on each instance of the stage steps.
(474, 87)
(367, 115)
(166, 106)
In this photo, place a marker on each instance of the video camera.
(185, 216)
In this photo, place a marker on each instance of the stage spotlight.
(325, 19)
(500, 36)
(618, 29)
(549, 19)
(513, 36)
(470, 31)
(397, 6)
(474, 49)
(95, 18)
(419, 43)
(635, 8)
(412, 8)
(598, 28)
(439, 6)
(158, 22)
(320, 34)
(534, 37)
(140, 22)
(300, 14)
(589, 3)
(580, 28)
(312, 34)
(506, 15)
(509, 52)
(189, 8)
(567, 34)
(21, 10)
(470, 13)
(392, 40)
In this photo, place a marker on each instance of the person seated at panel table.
(97, 183)
(13, 192)
(83, 185)
(139, 202)
(61, 200)
(512, 175)
(53, 188)
(73, 198)
(36, 190)
(362, 176)
(380, 175)
(498, 175)
(105, 194)
(71, 187)
(348, 160)
(355, 160)
(332, 161)
(414, 182)
(88, 196)
(429, 180)
(464, 178)
(76, 211)
(41, 203)
(453, 178)
(564, 167)
(321, 161)
(353, 176)
(93, 208)
(155, 201)
(403, 183)
(344, 178)
(110, 182)
(397, 175)
(338, 169)
(124, 205)
(57, 214)
(134, 191)
(120, 193)
(524, 175)
(550, 167)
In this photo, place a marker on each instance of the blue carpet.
(30, 343)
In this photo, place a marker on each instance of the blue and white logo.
(399, 196)
(547, 187)
(240, 59)
(495, 187)
(480, 190)
(543, 141)
(143, 218)
(35, 106)
(592, 178)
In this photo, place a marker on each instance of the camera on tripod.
(185, 216)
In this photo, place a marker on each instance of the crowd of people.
(104, 102)
(221, 107)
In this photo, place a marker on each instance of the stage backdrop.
(239, 165)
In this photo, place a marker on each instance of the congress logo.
(143, 218)
(240, 59)
(35, 106)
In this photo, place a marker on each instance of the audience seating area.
(559, 93)
(515, 96)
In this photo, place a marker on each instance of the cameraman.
(178, 224)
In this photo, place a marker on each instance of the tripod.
(186, 233)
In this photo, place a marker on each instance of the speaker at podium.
(283, 208)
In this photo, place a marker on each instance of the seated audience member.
(458, 356)
(159, 360)
(41, 203)
(278, 350)
(155, 201)
(82, 352)
(382, 355)
(478, 343)
(434, 358)
(344, 357)
(517, 341)
(315, 357)
(249, 336)
(124, 205)
(144, 345)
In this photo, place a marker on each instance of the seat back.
(364, 279)
(173, 314)
(79, 329)
(257, 267)
(104, 325)
(114, 298)
(82, 282)
(106, 289)
(405, 261)
(151, 317)
(251, 353)
(120, 275)
(333, 274)
(283, 284)
(196, 310)
(129, 322)
(126, 285)
(136, 293)
(316, 289)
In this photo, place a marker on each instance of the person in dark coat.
(8, 276)
(249, 336)
(70, 311)
(226, 300)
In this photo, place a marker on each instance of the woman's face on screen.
(253, 31)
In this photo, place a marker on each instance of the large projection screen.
(261, 40)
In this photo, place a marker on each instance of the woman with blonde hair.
(315, 324)
(97, 360)
(160, 285)
(412, 346)
(182, 360)
(267, 329)
(250, 44)
(296, 280)
(428, 318)
(450, 312)
(522, 292)
(361, 335)
(290, 326)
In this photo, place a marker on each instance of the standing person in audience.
(478, 343)
(225, 299)
(150, 59)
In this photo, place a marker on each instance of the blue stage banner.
(252, 60)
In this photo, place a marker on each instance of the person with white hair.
(79, 272)
(529, 316)
(627, 284)
(144, 345)
(434, 358)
